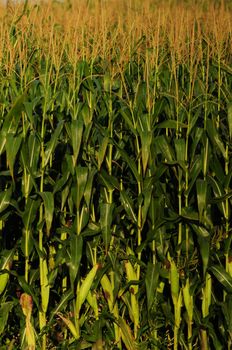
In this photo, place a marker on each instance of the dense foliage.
(115, 178)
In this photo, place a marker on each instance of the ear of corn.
(174, 281)
(27, 305)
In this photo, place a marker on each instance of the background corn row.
(115, 177)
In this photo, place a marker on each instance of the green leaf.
(180, 149)
(27, 242)
(89, 186)
(214, 137)
(106, 216)
(218, 192)
(51, 145)
(5, 309)
(76, 245)
(147, 193)
(229, 118)
(30, 212)
(33, 150)
(76, 137)
(180, 163)
(48, 201)
(29, 175)
(128, 205)
(164, 147)
(86, 286)
(217, 169)
(130, 162)
(201, 196)
(63, 302)
(188, 214)
(193, 119)
(11, 121)
(203, 237)
(5, 197)
(81, 178)
(127, 336)
(6, 258)
(60, 183)
(146, 139)
(12, 146)
(196, 137)
(216, 339)
(126, 114)
(227, 311)
(221, 198)
(228, 178)
(151, 282)
(222, 276)
(170, 124)
(102, 151)
(109, 181)
(5, 263)
(194, 172)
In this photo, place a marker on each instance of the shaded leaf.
(201, 196)
(12, 146)
(222, 276)
(130, 162)
(203, 237)
(5, 309)
(164, 147)
(151, 282)
(128, 205)
(170, 124)
(62, 304)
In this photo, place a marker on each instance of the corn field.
(115, 175)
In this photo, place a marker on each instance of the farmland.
(115, 175)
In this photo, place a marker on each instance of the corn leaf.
(203, 237)
(76, 246)
(51, 145)
(48, 201)
(85, 287)
(201, 196)
(106, 217)
(76, 137)
(5, 309)
(5, 197)
(222, 276)
(128, 205)
(66, 297)
(151, 282)
(127, 336)
(12, 147)
(229, 118)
